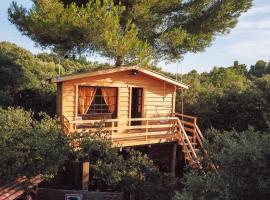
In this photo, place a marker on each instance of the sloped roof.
(145, 71)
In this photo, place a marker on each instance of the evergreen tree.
(259, 69)
(128, 31)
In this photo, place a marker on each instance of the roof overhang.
(145, 71)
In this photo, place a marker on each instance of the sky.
(248, 42)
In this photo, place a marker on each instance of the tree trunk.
(119, 61)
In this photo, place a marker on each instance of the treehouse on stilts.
(135, 105)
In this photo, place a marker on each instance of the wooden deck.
(179, 128)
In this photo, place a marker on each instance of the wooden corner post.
(173, 162)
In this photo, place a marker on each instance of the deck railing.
(181, 128)
(121, 126)
(147, 131)
(191, 127)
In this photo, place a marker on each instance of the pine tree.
(128, 31)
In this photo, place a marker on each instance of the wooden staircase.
(190, 138)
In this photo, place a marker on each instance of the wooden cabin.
(136, 105)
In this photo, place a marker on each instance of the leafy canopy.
(229, 98)
(243, 173)
(23, 77)
(30, 147)
(128, 171)
(128, 31)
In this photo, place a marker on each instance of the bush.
(23, 77)
(227, 98)
(30, 147)
(129, 171)
(243, 173)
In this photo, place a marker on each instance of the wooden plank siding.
(157, 94)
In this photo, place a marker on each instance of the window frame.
(113, 115)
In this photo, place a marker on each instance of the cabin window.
(97, 102)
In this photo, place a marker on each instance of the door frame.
(130, 102)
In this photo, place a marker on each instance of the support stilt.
(85, 175)
(173, 162)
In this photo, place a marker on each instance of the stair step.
(188, 158)
(190, 138)
(190, 150)
(192, 143)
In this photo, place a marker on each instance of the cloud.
(254, 25)
(254, 46)
(256, 19)
(258, 9)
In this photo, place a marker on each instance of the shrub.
(127, 171)
(243, 173)
(29, 147)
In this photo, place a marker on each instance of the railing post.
(194, 130)
(112, 127)
(117, 124)
(147, 123)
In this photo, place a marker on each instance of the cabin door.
(136, 105)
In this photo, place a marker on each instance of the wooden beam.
(115, 120)
(90, 74)
(186, 116)
(162, 77)
(173, 162)
(118, 107)
(76, 100)
(174, 100)
(130, 105)
(85, 175)
(143, 103)
(59, 99)
(148, 72)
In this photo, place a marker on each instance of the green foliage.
(21, 71)
(243, 173)
(23, 77)
(128, 31)
(128, 171)
(72, 29)
(260, 68)
(227, 98)
(30, 147)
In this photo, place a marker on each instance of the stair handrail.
(199, 136)
(202, 139)
(185, 147)
(67, 126)
(199, 132)
(187, 139)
